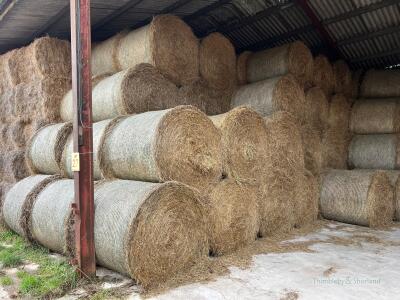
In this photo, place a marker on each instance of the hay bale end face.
(271, 95)
(381, 84)
(372, 116)
(179, 144)
(44, 151)
(375, 151)
(316, 111)
(293, 58)
(149, 231)
(241, 67)
(359, 198)
(135, 90)
(244, 143)
(232, 211)
(168, 44)
(218, 62)
(323, 75)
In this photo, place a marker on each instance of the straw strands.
(324, 77)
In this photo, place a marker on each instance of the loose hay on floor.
(357, 198)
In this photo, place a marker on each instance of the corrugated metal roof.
(366, 33)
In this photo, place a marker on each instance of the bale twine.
(271, 95)
(45, 57)
(105, 55)
(375, 151)
(232, 211)
(324, 77)
(316, 111)
(244, 142)
(312, 147)
(138, 89)
(147, 230)
(357, 198)
(280, 177)
(241, 67)
(208, 100)
(294, 58)
(99, 133)
(44, 151)
(375, 116)
(381, 84)
(168, 44)
(217, 59)
(41, 99)
(15, 166)
(342, 77)
(19, 201)
(179, 144)
(307, 199)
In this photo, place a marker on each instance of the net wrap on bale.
(359, 198)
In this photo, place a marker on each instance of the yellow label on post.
(75, 163)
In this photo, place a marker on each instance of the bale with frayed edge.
(342, 78)
(316, 111)
(324, 77)
(179, 144)
(244, 143)
(44, 151)
(241, 67)
(380, 84)
(375, 151)
(168, 44)
(208, 100)
(135, 90)
(217, 59)
(294, 58)
(99, 133)
(232, 211)
(271, 95)
(280, 177)
(45, 57)
(375, 116)
(357, 198)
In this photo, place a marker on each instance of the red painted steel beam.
(332, 47)
(83, 207)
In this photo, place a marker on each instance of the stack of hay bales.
(33, 81)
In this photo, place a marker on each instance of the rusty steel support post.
(83, 207)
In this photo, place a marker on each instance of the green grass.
(52, 278)
(5, 280)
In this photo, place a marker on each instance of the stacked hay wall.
(381, 84)
(324, 77)
(342, 78)
(357, 198)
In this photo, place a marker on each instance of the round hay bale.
(135, 90)
(15, 166)
(357, 198)
(294, 58)
(99, 132)
(324, 77)
(375, 151)
(375, 116)
(241, 67)
(312, 147)
(356, 79)
(271, 95)
(280, 177)
(307, 199)
(316, 111)
(342, 77)
(105, 55)
(208, 100)
(217, 59)
(179, 144)
(44, 150)
(381, 84)
(149, 231)
(168, 44)
(397, 199)
(4, 188)
(45, 57)
(18, 202)
(244, 142)
(232, 211)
